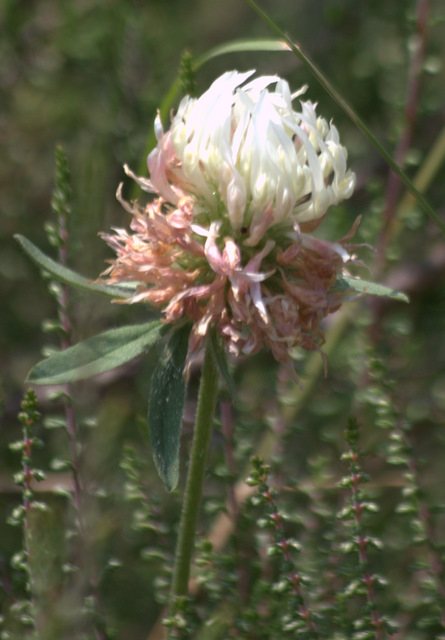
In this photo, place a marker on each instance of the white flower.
(242, 146)
(234, 164)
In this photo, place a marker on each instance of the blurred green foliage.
(90, 75)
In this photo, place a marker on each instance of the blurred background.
(90, 76)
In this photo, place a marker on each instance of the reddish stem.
(410, 117)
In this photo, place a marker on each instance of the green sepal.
(165, 406)
(219, 355)
(346, 283)
(71, 277)
(98, 354)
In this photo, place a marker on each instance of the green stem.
(195, 479)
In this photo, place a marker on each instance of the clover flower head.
(240, 179)
(245, 147)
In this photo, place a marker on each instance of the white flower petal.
(244, 145)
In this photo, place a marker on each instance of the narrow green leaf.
(370, 288)
(71, 277)
(165, 407)
(221, 362)
(236, 46)
(101, 353)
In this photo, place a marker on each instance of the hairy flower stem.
(28, 417)
(193, 491)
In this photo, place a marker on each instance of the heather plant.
(288, 495)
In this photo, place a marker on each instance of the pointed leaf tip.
(98, 354)
(70, 277)
(369, 288)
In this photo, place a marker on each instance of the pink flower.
(240, 178)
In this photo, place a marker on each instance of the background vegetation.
(90, 75)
